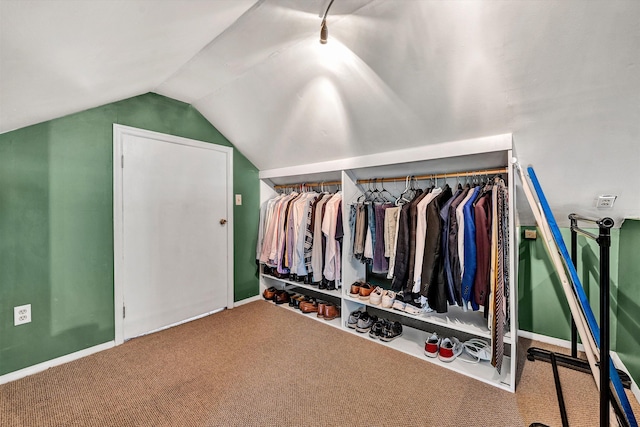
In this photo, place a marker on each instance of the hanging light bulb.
(324, 30)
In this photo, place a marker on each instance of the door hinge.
(122, 161)
(123, 312)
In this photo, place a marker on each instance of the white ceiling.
(563, 77)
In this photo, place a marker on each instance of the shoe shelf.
(469, 322)
(336, 323)
(334, 292)
(412, 342)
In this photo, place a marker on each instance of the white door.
(175, 230)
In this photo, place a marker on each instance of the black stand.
(573, 362)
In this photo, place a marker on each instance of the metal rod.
(574, 259)
(577, 217)
(556, 379)
(436, 175)
(573, 363)
(604, 240)
(584, 233)
(308, 184)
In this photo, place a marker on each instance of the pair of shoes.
(446, 350)
(385, 330)
(479, 349)
(282, 297)
(375, 297)
(269, 293)
(328, 310)
(309, 306)
(354, 316)
(297, 299)
(365, 322)
(360, 290)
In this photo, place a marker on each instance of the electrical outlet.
(21, 314)
(530, 234)
(605, 202)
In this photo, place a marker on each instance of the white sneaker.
(412, 309)
(387, 298)
(399, 305)
(375, 298)
(450, 348)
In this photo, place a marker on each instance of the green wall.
(56, 224)
(628, 332)
(542, 306)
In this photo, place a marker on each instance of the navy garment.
(444, 214)
(454, 258)
(470, 257)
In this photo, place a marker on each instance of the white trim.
(247, 300)
(620, 365)
(34, 369)
(547, 339)
(191, 319)
(431, 151)
(119, 131)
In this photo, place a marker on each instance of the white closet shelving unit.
(450, 157)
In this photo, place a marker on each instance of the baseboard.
(620, 365)
(548, 340)
(247, 300)
(16, 375)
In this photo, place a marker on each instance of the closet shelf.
(336, 323)
(412, 342)
(470, 322)
(335, 293)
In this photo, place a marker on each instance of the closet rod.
(308, 184)
(437, 175)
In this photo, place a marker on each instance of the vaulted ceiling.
(563, 77)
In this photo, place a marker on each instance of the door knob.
(223, 221)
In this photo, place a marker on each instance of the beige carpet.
(261, 365)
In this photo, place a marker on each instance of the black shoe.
(391, 331)
(331, 285)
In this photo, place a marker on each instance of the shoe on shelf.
(399, 305)
(391, 331)
(282, 297)
(365, 322)
(450, 348)
(432, 345)
(269, 293)
(309, 307)
(412, 309)
(375, 298)
(321, 308)
(387, 298)
(331, 311)
(292, 300)
(479, 349)
(354, 291)
(377, 328)
(352, 321)
(365, 291)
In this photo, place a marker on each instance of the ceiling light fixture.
(324, 31)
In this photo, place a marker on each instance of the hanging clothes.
(380, 263)
(433, 284)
